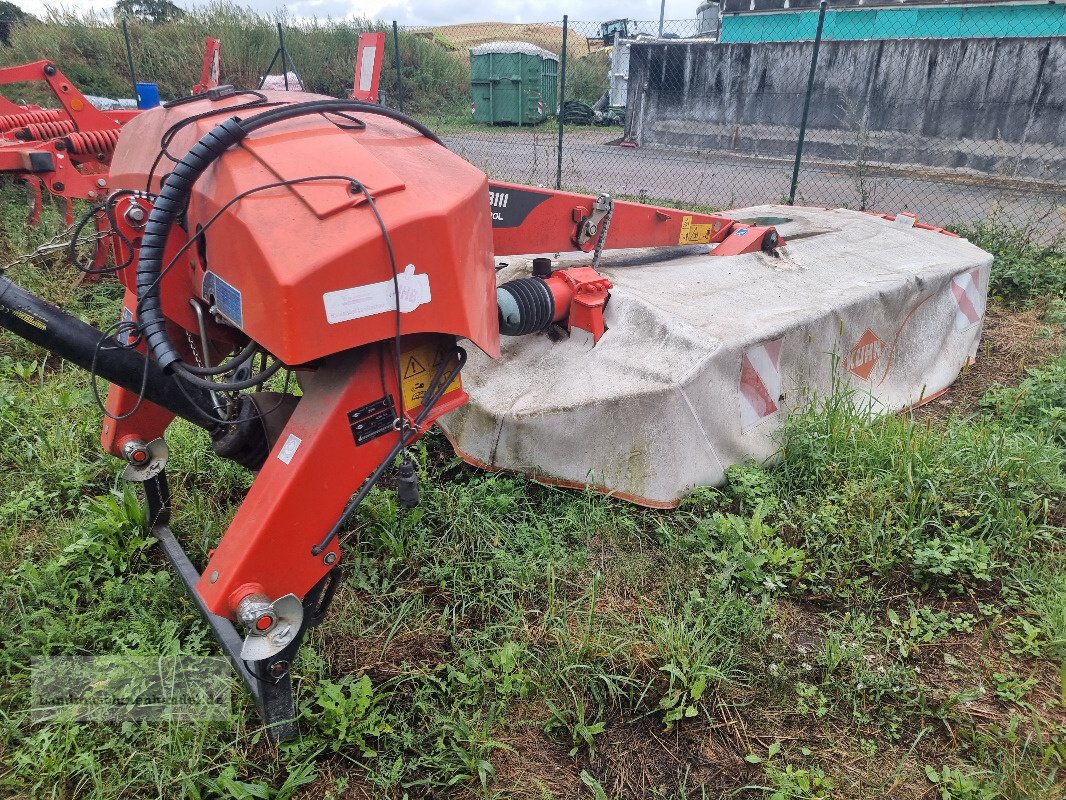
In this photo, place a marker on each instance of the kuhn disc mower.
(341, 247)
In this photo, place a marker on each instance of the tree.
(11, 14)
(151, 11)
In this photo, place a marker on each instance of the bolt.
(49, 70)
(91, 194)
(58, 186)
(330, 558)
(101, 182)
(135, 214)
(136, 453)
(278, 669)
(214, 576)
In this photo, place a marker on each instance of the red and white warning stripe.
(760, 382)
(969, 294)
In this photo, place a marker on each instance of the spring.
(42, 131)
(82, 142)
(11, 121)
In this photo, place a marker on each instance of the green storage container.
(513, 83)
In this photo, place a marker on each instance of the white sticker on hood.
(377, 298)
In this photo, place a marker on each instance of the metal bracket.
(591, 226)
(144, 461)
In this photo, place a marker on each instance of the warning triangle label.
(414, 367)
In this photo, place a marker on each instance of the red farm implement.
(66, 151)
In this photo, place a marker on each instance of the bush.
(586, 77)
(1023, 269)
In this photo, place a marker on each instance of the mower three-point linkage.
(334, 245)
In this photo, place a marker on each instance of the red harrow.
(66, 151)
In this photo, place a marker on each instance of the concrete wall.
(993, 106)
(1033, 20)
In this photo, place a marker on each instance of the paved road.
(726, 180)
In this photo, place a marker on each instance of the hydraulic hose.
(47, 326)
(174, 196)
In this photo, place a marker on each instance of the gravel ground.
(727, 180)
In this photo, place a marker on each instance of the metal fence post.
(559, 115)
(284, 56)
(807, 103)
(399, 77)
(129, 55)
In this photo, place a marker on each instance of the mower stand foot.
(269, 680)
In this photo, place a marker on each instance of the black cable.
(117, 329)
(274, 185)
(172, 199)
(234, 362)
(174, 196)
(357, 124)
(231, 365)
(108, 208)
(398, 348)
(436, 390)
(291, 110)
(169, 134)
(130, 327)
(227, 386)
(220, 421)
(190, 373)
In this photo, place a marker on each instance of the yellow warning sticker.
(419, 365)
(694, 233)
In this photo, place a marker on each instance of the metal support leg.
(269, 681)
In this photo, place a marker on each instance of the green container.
(513, 83)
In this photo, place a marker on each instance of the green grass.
(882, 613)
(92, 54)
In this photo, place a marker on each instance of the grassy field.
(880, 614)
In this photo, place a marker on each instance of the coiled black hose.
(174, 196)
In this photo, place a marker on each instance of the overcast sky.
(439, 12)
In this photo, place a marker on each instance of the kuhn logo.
(864, 355)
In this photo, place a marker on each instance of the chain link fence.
(955, 114)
